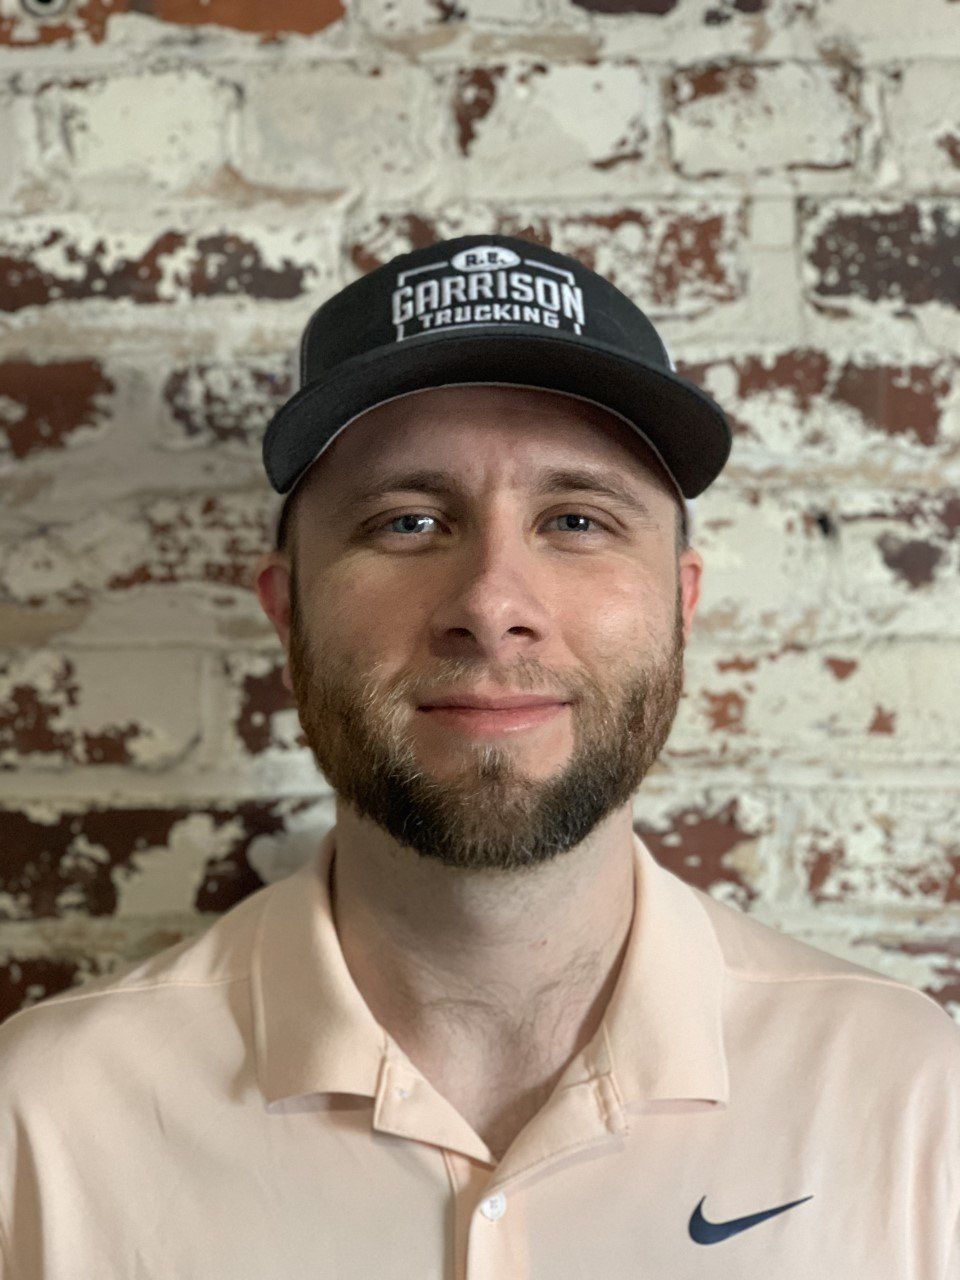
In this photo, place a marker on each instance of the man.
(483, 1033)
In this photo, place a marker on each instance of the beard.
(487, 812)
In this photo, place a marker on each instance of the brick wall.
(183, 181)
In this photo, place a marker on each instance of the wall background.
(183, 181)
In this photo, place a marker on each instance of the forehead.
(455, 427)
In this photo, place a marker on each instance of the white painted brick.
(682, 32)
(875, 851)
(339, 126)
(16, 146)
(384, 19)
(140, 703)
(923, 120)
(766, 119)
(196, 538)
(116, 135)
(568, 130)
(900, 703)
(124, 544)
(771, 576)
(843, 30)
(888, 30)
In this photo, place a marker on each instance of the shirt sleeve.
(6, 1272)
(953, 1261)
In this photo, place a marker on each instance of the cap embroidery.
(478, 286)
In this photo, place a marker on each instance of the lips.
(487, 722)
(505, 703)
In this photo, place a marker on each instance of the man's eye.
(421, 515)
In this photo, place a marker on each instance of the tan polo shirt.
(230, 1109)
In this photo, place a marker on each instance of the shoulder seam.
(823, 977)
(69, 997)
(880, 980)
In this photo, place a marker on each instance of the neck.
(498, 965)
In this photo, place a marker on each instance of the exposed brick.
(280, 17)
(90, 21)
(384, 235)
(263, 714)
(629, 133)
(475, 91)
(903, 253)
(42, 262)
(658, 7)
(806, 407)
(681, 258)
(26, 980)
(107, 860)
(86, 21)
(712, 847)
(50, 406)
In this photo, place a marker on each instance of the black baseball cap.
(491, 309)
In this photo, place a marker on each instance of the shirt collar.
(663, 1026)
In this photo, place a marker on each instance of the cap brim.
(683, 425)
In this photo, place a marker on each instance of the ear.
(271, 579)
(690, 568)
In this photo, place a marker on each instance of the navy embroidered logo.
(704, 1232)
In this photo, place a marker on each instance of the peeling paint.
(474, 97)
(57, 268)
(227, 400)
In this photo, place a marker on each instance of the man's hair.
(287, 532)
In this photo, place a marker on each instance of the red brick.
(91, 20)
(904, 253)
(45, 405)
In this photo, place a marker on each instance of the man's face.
(410, 594)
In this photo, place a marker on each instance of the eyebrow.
(551, 480)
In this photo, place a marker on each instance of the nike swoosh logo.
(705, 1232)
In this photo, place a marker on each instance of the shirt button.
(494, 1207)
